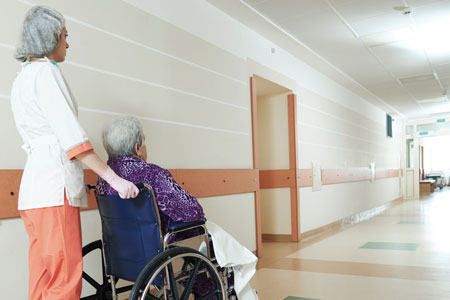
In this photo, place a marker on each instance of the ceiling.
(395, 53)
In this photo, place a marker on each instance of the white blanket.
(230, 253)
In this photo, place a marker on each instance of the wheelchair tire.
(103, 289)
(187, 263)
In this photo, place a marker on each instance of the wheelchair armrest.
(184, 225)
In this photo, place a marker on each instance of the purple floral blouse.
(174, 203)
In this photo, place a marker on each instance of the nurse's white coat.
(46, 116)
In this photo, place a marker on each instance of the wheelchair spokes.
(177, 274)
(102, 287)
(190, 284)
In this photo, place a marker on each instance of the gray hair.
(120, 136)
(40, 33)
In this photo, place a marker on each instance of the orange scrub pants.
(55, 255)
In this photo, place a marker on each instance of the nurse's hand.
(125, 188)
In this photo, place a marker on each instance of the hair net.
(40, 33)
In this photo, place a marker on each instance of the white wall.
(338, 137)
(336, 202)
(183, 68)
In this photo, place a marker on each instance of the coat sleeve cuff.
(72, 153)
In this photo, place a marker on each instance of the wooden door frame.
(293, 166)
(258, 225)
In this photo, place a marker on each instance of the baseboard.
(276, 238)
(313, 232)
(351, 220)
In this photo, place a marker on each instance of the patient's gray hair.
(120, 136)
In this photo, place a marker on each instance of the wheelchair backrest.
(131, 233)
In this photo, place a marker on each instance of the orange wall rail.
(210, 182)
(199, 182)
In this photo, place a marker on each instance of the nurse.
(52, 189)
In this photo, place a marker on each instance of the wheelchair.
(133, 249)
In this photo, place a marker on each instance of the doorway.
(435, 163)
(275, 155)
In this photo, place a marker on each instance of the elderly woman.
(124, 142)
(52, 187)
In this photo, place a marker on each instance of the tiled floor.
(402, 253)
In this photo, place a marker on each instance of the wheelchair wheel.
(174, 274)
(102, 287)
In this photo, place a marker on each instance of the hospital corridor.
(400, 252)
(224, 149)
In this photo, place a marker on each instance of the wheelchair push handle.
(140, 186)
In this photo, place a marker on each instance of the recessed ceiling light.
(441, 114)
(433, 100)
(419, 78)
(388, 37)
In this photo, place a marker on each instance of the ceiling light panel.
(436, 108)
(417, 79)
(433, 100)
(388, 37)
(441, 114)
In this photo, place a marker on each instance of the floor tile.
(334, 266)
(412, 222)
(390, 246)
(299, 298)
